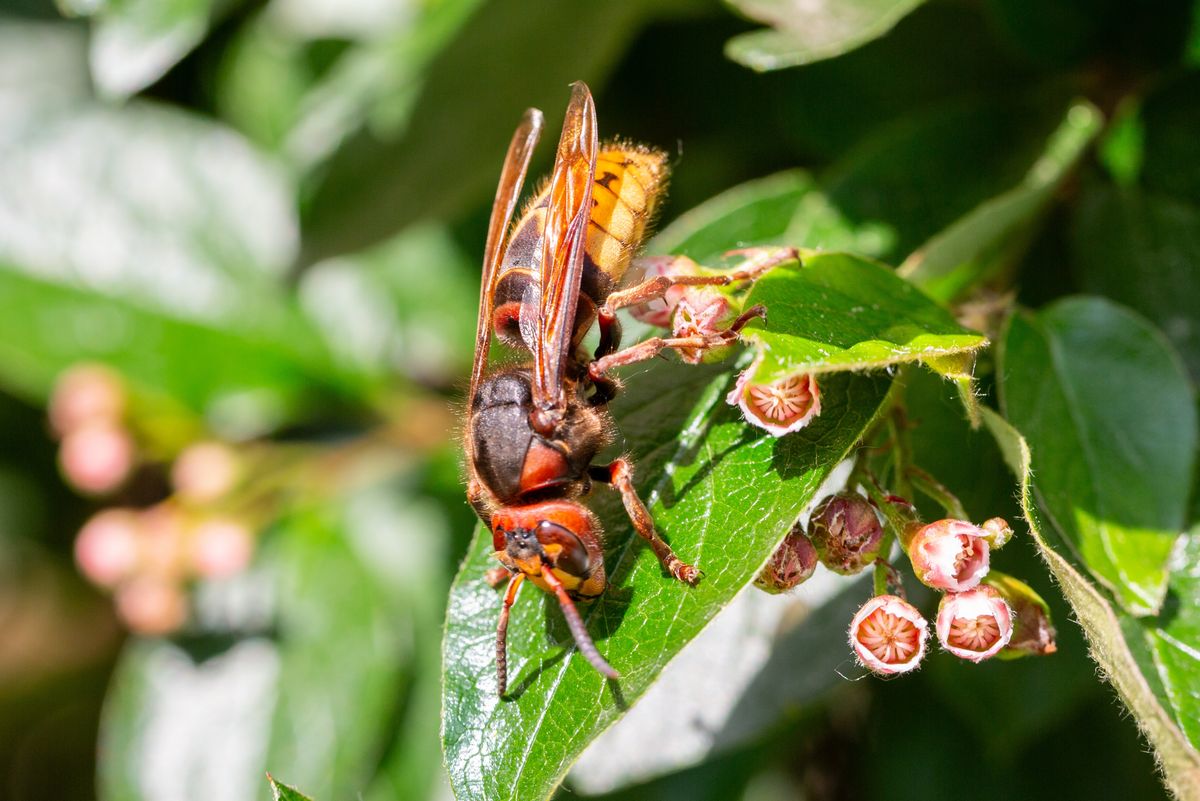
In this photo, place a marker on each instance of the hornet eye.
(574, 557)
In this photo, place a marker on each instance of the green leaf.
(722, 494)
(1121, 657)
(284, 793)
(450, 152)
(890, 178)
(135, 42)
(804, 32)
(842, 312)
(786, 208)
(1111, 422)
(1141, 249)
(989, 237)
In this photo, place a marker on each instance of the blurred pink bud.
(107, 548)
(847, 533)
(888, 635)
(86, 393)
(152, 606)
(997, 532)
(793, 563)
(163, 545)
(950, 555)
(205, 472)
(97, 457)
(221, 547)
(974, 625)
(782, 406)
(658, 311)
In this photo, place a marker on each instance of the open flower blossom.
(951, 555)
(793, 563)
(888, 635)
(659, 311)
(974, 625)
(781, 406)
(702, 311)
(846, 532)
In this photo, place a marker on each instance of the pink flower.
(793, 563)
(86, 393)
(221, 548)
(204, 472)
(974, 625)
(152, 606)
(107, 549)
(950, 555)
(659, 311)
(782, 406)
(97, 457)
(847, 533)
(702, 311)
(888, 635)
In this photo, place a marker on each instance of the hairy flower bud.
(1033, 632)
(846, 532)
(107, 549)
(974, 625)
(793, 563)
(781, 406)
(151, 605)
(86, 393)
(204, 472)
(997, 532)
(97, 457)
(659, 311)
(221, 547)
(888, 635)
(702, 311)
(950, 555)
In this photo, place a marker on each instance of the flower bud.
(974, 625)
(888, 635)
(221, 548)
(163, 544)
(205, 472)
(703, 311)
(997, 532)
(846, 532)
(782, 406)
(793, 563)
(107, 549)
(950, 555)
(152, 606)
(659, 311)
(86, 393)
(97, 457)
(1033, 632)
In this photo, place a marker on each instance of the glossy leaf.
(282, 792)
(449, 155)
(135, 42)
(787, 208)
(1141, 249)
(722, 494)
(1116, 640)
(804, 32)
(1110, 419)
(842, 312)
(987, 239)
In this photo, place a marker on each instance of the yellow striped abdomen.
(628, 183)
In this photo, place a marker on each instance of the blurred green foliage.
(267, 216)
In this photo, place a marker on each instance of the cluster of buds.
(87, 412)
(844, 534)
(781, 405)
(145, 557)
(980, 616)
